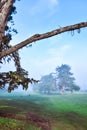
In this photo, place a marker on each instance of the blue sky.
(39, 16)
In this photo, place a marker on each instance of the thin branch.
(37, 37)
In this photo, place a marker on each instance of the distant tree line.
(59, 82)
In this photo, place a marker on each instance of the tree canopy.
(47, 84)
(8, 52)
(60, 81)
(65, 78)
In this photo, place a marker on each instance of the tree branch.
(37, 37)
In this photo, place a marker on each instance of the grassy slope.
(65, 112)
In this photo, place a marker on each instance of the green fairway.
(39, 112)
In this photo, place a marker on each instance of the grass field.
(39, 112)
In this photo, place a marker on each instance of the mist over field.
(36, 111)
(44, 83)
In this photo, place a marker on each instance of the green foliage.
(75, 87)
(47, 84)
(14, 80)
(65, 78)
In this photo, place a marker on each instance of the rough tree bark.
(5, 7)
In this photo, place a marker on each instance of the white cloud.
(65, 48)
(60, 52)
(53, 2)
(42, 6)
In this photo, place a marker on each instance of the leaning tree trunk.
(5, 7)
